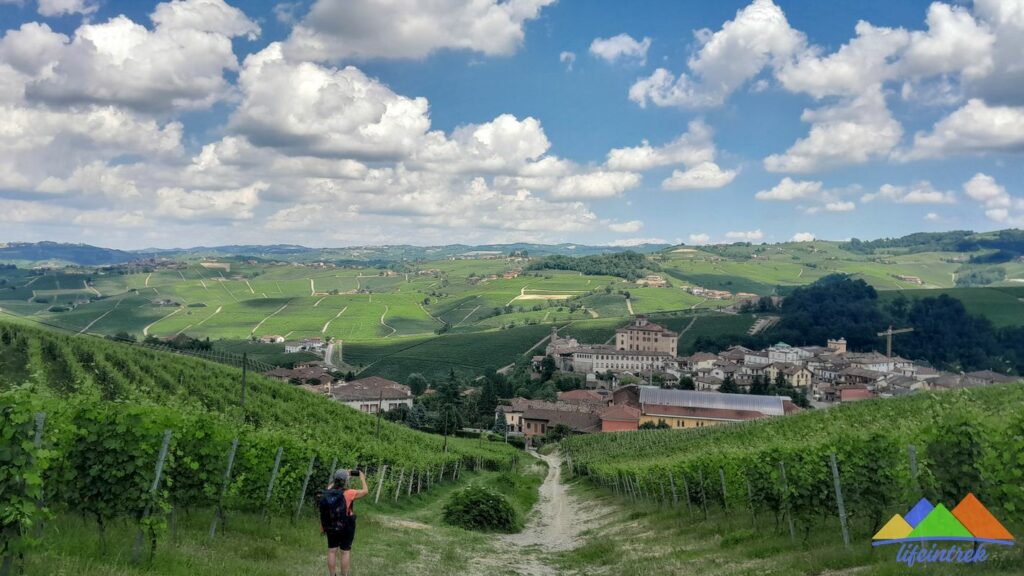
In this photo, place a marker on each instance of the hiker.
(337, 520)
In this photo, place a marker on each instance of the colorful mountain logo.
(969, 521)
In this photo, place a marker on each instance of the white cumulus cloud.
(759, 35)
(919, 193)
(626, 227)
(341, 29)
(620, 47)
(745, 236)
(788, 189)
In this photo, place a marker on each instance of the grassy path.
(272, 314)
(328, 323)
(407, 538)
(101, 317)
(145, 331)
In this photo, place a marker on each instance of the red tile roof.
(580, 395)
(372, 388)
(851, 394)
(620, 412)
(577, 421)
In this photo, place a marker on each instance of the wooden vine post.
(137, 548)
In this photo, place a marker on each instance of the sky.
(136, 124)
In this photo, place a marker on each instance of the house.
(861, 376)
(854, 394)
(620, 418)
(306, 345)
(584, 398)
(601, 358)
(783, 352)
(910, 279)
(985, 378)
(755, 359)
(707, 382)
(516, 407)
(302, 375)
(641, 335)
(796, 376)
(537, 421)
(736, 354)
(698, 360)
(695, 409)
(654, 281)
(372, 394)
(271, 339)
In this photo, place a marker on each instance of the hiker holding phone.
(337, 520)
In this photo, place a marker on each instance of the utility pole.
(888, 334)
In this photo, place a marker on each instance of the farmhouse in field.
(372, 394)
(305, 345)
(271, 339)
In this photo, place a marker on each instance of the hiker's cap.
(341, 475)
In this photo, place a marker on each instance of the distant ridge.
(59, 253)
(86, 255)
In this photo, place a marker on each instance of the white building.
(373, 393)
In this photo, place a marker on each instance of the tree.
(398, 413)
(418, 417)
(547, 368)
(500, 426)
(449, 400)
(759, 385)
(729, 386)
(557, 432)
(417, 383)
(686, 383)
(486, 402)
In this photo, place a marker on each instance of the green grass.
(404, 538)
(639, 538)
(434, 356)
(1002, 306)
(249, 298)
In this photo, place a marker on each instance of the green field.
(374, 311)
(1002, 306)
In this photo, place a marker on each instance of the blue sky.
(331, 122)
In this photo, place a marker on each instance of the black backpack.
(334, 515)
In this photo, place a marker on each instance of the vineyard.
(117, 433)
(842, 471)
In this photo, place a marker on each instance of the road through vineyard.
(555, 525)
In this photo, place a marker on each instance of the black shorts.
(341, 539)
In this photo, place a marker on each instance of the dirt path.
(342, 311)
(274, 313)
(101, 317)
(384, 324)
(215, 312)
(556, 524)
(467, 316)
(145, 331)
(688, 326)
(629, 306)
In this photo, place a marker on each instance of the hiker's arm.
(364, 490)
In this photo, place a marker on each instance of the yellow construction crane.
(888, 338)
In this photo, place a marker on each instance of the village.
(639, 381)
